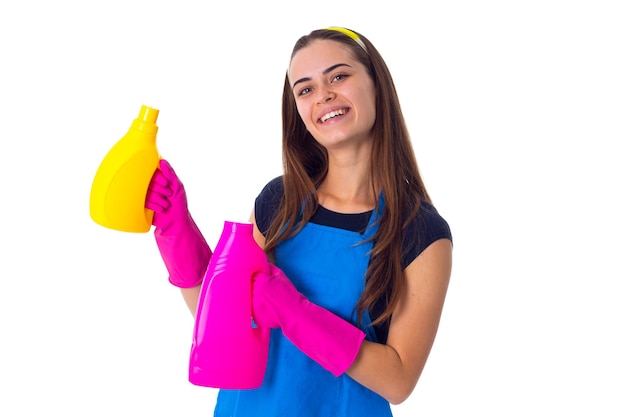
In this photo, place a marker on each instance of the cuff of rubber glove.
(193, 277)
(182, 283)
(185, 263)
(334, 344)
(342, 365)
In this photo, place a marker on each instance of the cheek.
(374, 110)
(373, 105)
(369, 107)
(304, 113)
(367, 97)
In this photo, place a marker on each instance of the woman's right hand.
(183, 249)
(166, 196)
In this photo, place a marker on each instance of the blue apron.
(327, 265)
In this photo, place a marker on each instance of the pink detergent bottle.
(229, 351)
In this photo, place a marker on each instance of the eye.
(304, 91)
(339, 77)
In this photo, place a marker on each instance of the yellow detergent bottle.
(121, 182)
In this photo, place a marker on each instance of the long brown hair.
(395, 175)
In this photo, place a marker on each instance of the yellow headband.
(349, 33)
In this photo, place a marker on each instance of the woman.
(362, 259)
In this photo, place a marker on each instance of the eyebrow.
(326, 71)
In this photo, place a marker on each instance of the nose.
(325, 95)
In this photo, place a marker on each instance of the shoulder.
(267, 202)
(274, 188)
(429, 218)
(425, 228)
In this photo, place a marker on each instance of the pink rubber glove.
(323, 336)
(183, 248)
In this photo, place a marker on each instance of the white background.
(517, 112)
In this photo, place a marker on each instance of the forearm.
(390, 369)
(393, 369)
(191, 296)
(380, 368)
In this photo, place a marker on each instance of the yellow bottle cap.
(146, 121)
(148, 114)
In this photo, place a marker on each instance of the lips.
(332, 114)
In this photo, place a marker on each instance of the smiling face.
(334, 94)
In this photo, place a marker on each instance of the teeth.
(332, 114)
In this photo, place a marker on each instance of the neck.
(347, 187)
